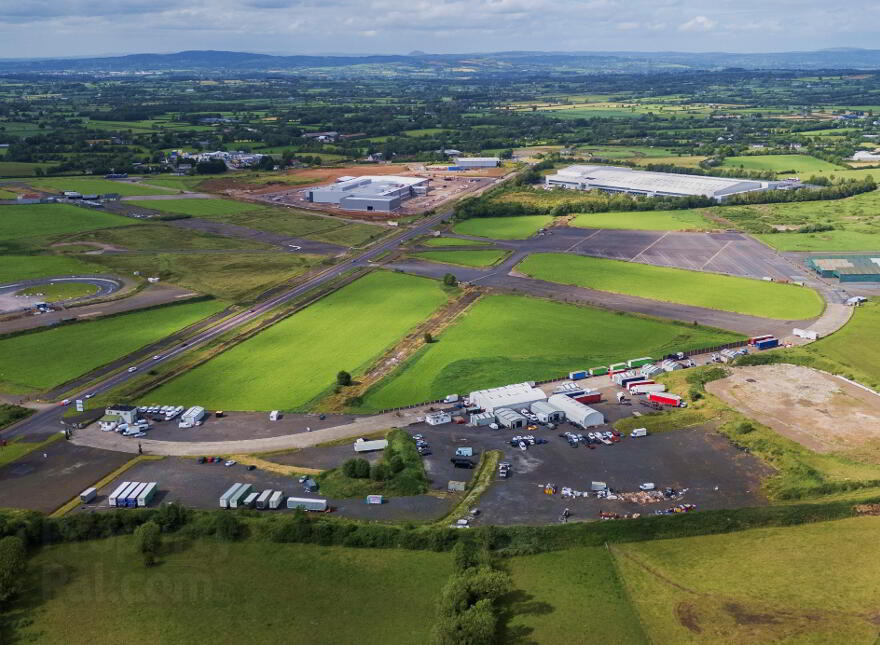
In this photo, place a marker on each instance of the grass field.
(816, 585)
(156, 236)
(175, 182)
(25, 267)
(507, 339)
(295, 360)
(10, 414)
(569, 596)
(53, 219)
(252, 591)
(20, 168)
(87, 185)
(77, 348)
(7, 194)
(780, 163)
(713, 291)
(236, 277)
(836, 240)
(197, 207)
(503, 228)
(291, 222)
(478, 258)
(682, 220)
(60, 291)
(450, 241)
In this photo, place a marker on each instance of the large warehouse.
(379, 193)
(846, 268)
(477, 162)
(617, 179)
(514, 397)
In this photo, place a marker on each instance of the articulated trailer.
(237, 498)
(664, 398)
(316, 505)
(276, 500)
(147, 494)
(114, 496)
(131, 500)
(224, 499)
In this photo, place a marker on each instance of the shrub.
(148, 541)
(343, 378)
(13, 562)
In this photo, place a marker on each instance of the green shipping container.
(618, 366)
(638, 362)
(598, 371)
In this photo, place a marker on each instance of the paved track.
(105, 284)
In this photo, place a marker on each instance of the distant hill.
(419, 63)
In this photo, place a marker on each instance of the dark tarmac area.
(323, 457)
(45, 483)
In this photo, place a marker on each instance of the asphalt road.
(50, 418)
(105, 284)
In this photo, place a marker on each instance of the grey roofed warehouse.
(383, 193)
(619, 179)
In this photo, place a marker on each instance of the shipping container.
(88, 495)
(598, 371)
(117, 492)
(122, 499)
(638, 362)
(276, 499)
(237, 498)
(147, 494)
(263, 499)
(593, 396)
(631, 379)
(617, 367)
(665, 398)
(767, 343)
(578, 375)
(224, 498)
(754, 339)
(629, 386)
(317, 505)
(131, 500)
(649, 387)
(250, 500)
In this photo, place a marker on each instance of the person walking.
(140, 448)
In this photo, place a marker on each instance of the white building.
(382, 193)
(510, 419)
(438, 418)
(547, 412)
(617, 179)
(864, 155)
(514, 397)
(577, 413)
(477, 162)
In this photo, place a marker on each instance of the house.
(125, 413)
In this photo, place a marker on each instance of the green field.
(563, 594)
(297, 359)
(780, 163)
(836, 240)
(176, 182)
(157, 236)
(450, 241)
(681, 220)
(503, 228)
(60, 291)
(7, 194)
(53, 219)
(710, 290)
(817, 584)
(20, 168)
(478, 258)
(236, 277)
(208, 591)
(80, 347)
(87, 185)
(507, 339)
(291, 222)
(26, 267)
(197, 207)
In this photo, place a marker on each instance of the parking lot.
(45, 483)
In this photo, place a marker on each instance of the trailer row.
(241, 495)
(127, 494)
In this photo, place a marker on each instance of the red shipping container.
(664, 398)
(593, 397)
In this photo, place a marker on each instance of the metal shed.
(510, 418)
(547, 412)
(516, 396)
(577, 413)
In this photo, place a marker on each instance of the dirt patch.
(687, 616)
(867, 509)
(743, 616)
(819, 411)
(329, 175)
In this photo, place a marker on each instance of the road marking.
(632, 259)
(94, 313)
(569, 249)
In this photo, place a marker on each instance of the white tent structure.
(577, 413)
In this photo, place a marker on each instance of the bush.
(356, 468)
(450, 280)
(228, 527)
(13, 562)
(148, 541)
(343, 378)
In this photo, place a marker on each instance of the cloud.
(698, 23)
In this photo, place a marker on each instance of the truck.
(224, 498)
(276, 499)
(305, 503)
(754, 339)
(274, 415)
(639, 432)
(147, 494)
(631, 384)
(464, 451)
(665, 398)
(114, 496)
(578, 375)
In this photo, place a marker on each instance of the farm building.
(477, 162)
(577, 413)
(617, 179)
(847, 268)
(514, 397)
(384, 194)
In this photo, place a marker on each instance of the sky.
(60, 28)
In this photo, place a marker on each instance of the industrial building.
(514, 397)
(847, 268)
(617, 179)
(383, 194)
(547, 412)
(477, 162)
(577, 413)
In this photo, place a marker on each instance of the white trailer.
(263, 499)
(647, 387)
(147, 494)
(192, 416)
(238, 496)
(114, 496)
(317, 505)
(131, 499)
(363, 445)
(276, 499)
(250, 500)
(224, 499)
(88, 495)
(639, 432)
